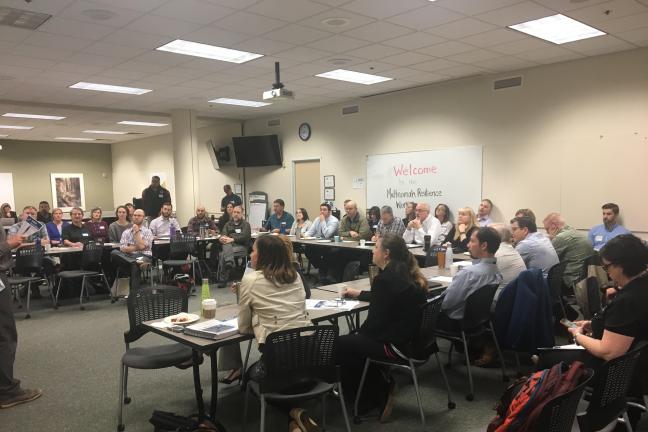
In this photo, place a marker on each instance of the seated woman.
(410, 212)
(225, 217)
(271, 298)
(97, 228)
(301, 221)
(6, 212)
(55, 227)
(373, 217)
(117, 228)
(442, 212)
(397, 294)
(466, 224)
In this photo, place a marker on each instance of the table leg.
(214, 389)
(197, 387)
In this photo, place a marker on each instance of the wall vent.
(350, 110)
(275, 122)
(507, 83)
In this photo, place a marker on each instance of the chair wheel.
(121, 427)
(357, 420)
(452, 405)
(127, 400)
(470, 397)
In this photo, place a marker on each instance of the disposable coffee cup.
(362, 242)
(209, 308)
(336, 238)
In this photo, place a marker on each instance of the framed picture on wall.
(329, 181)
(329, 194)
(67, 191)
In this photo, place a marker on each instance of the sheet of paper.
(358, 182)
(315, 304)
(32, 226)
(442, 279)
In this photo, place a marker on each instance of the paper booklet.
(315, 304)
(213, 329)
(30, 227)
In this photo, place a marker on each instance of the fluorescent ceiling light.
(105, 132)
(3, 136)
(16, 127)
(354, 77)
(196, 49)
(74, 139)
(109, 88)
(240, 102)
(140, 123)
(33, 116)
(558, 29)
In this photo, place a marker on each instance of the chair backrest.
(477, 308)
(29, 260)
(351, 271)
(555, 281)
(299, 355)
(153, 303)
(181, 246)
(608, 398)
(559, 413)
(305, 281)
(91, 255)
(423, 345)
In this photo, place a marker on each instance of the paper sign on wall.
(358, 182)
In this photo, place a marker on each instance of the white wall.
(572, 137)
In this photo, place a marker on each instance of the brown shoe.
(389, 402)
(293, 427)
(303, 420)
(25, 395)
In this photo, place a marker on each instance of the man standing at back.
(154, 196)
(44, 214)
(230, 197)
(424, 224)
(571, 246)
(535, 248)
(279, 217)
(353, 226)
(610, 228)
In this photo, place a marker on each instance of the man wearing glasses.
(535, 248)
(424, 224)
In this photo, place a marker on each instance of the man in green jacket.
(353, 225)
(571, 246)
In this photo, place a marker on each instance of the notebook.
(213, 329)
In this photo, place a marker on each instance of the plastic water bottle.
(37, 241)
(448, 259)
(205, 294)
(282, 228)
(171, 231)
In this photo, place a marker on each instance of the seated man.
(75, 234)
(326, 225)
(482, 246)
(610, 228)
(571, 246)
(483, 212)
(161, 225)
(235, 241)
(15, 229)
(525, 212)
(354, 226)
(424, 224)
(509, 262)
(279, 218)
(535, 248)
(135, 248)
(388, 223)
(44, 214)
(201, 220)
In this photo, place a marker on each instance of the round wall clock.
(304, 131)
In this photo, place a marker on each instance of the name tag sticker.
(161, 196)
(237, 230)
(598, 238)
(102, 227)
(85, 234)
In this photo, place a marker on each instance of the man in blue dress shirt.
(601, 234)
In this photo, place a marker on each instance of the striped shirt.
(128, 239)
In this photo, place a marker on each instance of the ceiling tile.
(47, 40)
(187, 72)
(522, 45)
(94, 60)
(462, 28)
(425, 17)
(549, 54)
(103, 14)
(435, 65)
(307, 69)
(42, 53)
(294, 33)
(13, 34)
(446, 49)
(287, 10)
(463, 71)
(507, 63)
(475, 56)
(598, 45)
(353, 20)
(263, 46)
(493, 37)
(414, 41)
(164, 58)
(381, 9)
(163, 26)
(50, 6)
(564, 6)
(248, 23)
(236, 4)
(138, 65)
(625, 24)
(607, 11)
(378, 31)
(156, 79)
(29, 62)
(80, 68)
(216, 36)
(112, 50)
(121, 74)
(303, 54)
(338, 44)
(406, 59)
(374, 52)
(195, 11)
(403, 73)
(472, 7)
(515, 14)
(637, 37)
(77, 29)
(125, 37)
(139, 5)
(204, 65)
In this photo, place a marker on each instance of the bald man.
(353, 225)
(424, 224)
(201, 220)
(571, 246)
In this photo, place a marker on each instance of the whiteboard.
(6, 189)
(452, 176)
(257, 214)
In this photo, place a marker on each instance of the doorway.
(306, 186)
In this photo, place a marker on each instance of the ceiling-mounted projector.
(278, 92)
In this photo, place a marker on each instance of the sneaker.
(25, 395)
(386, 411)
(303, 420)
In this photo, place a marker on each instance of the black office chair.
(28, 270)
(181, 249)
(476, 321)
(555, 282)
(422, 346)
(351, 271)
(90, 268)
(296, 356)
(559, 413)
(145, 305)
(608, 398)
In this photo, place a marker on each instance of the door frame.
(294, 188)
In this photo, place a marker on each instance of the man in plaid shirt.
(388, 223)
(135, 248)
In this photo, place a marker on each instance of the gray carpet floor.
(74, 356)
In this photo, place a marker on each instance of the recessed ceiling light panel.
(22, 18)
(558, 29)
(33, 116)
(103, 132)
(73, 139)
(16, 127)
(239, 102)
(109, 88)
(213, 52)
(141, 123)
(354, 77)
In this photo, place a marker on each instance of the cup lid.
(208, 302)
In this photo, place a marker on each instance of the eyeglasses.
(606, 266)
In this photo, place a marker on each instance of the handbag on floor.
(164, 421)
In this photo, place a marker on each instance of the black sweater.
(394, 310)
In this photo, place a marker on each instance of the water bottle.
(37, 241)
(448, 258)
(171, 231)
(205, 294)
(282, 228)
